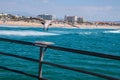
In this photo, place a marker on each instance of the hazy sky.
(100, 10)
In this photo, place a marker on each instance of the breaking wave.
(112, 31)
(26, 33)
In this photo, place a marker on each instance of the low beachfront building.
(46, 17)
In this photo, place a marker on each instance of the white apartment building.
(71, 19)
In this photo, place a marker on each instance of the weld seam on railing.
(81, 71)
(17, 71)
(21, 57)
(85, 52)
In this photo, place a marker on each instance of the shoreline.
(54, 25)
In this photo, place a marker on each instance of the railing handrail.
(17, 41)
(20, 72)
(18, 56)
(43, 48)
(96, 54)
(51, 64)
(108, 56)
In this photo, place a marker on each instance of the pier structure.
(43, 46)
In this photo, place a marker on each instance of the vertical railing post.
(43, 48)
(42, 51)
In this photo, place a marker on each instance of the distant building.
(71, 19)
(1, 14)
(74, 19)
(46, 17)
(80, 20)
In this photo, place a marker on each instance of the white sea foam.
(18, 26)
(112, 31)
(87, 33)
(26, 33)
(69, 32)
(61, 32)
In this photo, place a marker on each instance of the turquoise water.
(97, 40)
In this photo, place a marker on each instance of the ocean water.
(105, 41)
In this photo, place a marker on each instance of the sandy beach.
(35, 24)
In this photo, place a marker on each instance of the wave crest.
(114, 31)
(26, 33)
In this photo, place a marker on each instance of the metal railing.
(43, 47)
